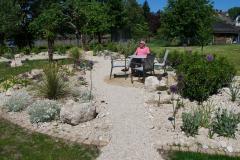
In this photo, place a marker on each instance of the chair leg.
(144, 75)
(131, 76)
(111, 72)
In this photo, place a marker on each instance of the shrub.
(53, 85)
(224, 123)
(75, 53)
(61, 49)
(97, 49)
(9, 83)
(175, 58)
(26, 50)
(4, 49)
(44, 111)
(111, 46)
(36, 50)
(86, 96)
(17, 102)
(204, 75)
(191, 123)
(234, 92)
(205, 112)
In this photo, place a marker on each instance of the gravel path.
(131, 133)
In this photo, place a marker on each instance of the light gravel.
(131, 135)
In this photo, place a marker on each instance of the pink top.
(142, 51)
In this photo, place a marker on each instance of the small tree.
(204, 35)
(98, 21)
(47, 25)
(187, 19)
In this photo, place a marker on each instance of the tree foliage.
(234, 12)
(187, 20)
(48, 24)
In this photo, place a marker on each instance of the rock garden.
(57, 100)
(195, 106)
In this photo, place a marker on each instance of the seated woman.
(142, 50)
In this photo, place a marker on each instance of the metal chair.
(162, 64)
(147, 66)
(118, 62)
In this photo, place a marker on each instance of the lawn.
(17, 143)
(197, 156)
(231, 52)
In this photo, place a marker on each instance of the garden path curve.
(131, 134)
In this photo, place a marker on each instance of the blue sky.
(218, 4)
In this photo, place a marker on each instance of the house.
(226, 31)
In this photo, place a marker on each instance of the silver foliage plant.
(17, 102)
(44, 111)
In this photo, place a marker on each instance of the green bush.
(111, 46)
(61, 49)
(75, 53)
(234, 92)
(4, 49)
(44, 111)
(36, 50)
(204, 75)
(17, 102)
(97, 49)
(175, 58)
(26, 50)
(191, 123)
(224, 123)
(53, 85)
(205, 112)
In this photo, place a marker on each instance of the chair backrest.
(149, 63)
(165, 57)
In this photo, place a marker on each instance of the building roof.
(223, 27)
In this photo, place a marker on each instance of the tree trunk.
(1, 39)
(78, 38)
(99, 37)
(50, 48)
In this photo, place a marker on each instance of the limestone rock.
(9, 92)
(17, 56)
(151, 83)
(16, 63)
(35, 74)
(74, 113)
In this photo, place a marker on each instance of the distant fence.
(64, 42)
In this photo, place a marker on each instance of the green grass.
(6, 71)
(231, 52)
(17, 143)
(177, 155)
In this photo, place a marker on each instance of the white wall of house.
(237, 21)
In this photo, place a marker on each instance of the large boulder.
(74, 113)
(151, 83)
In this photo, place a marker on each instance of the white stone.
(205, 146)
(151, 83)
(9, 92)
(223, 144)
(230, 149)
(16, 63)
(17, 56)
(74, 113)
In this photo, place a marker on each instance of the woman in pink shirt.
(142, 50)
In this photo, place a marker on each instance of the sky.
(224, 5)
